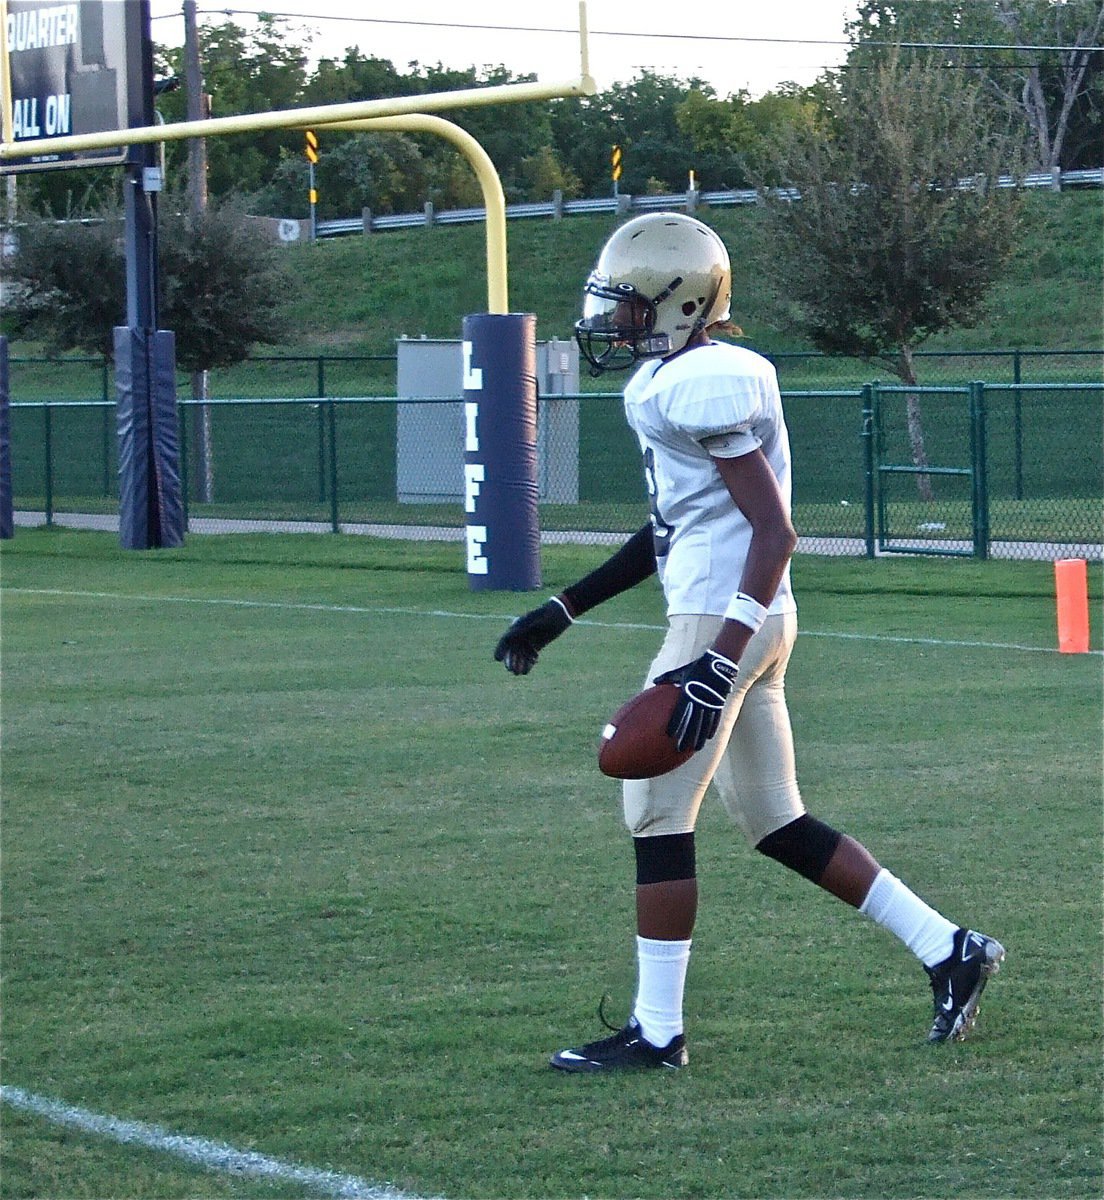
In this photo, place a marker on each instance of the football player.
(709, 420)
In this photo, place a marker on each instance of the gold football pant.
(751, 757)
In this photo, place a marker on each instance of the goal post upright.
(494, 199)
(500, 457)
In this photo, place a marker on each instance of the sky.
(736, 45)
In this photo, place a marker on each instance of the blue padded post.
(500, 451)
(7, 513)
(151, 508)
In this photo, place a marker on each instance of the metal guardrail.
(673, 200)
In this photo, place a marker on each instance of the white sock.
(661, 977)
(895, 907)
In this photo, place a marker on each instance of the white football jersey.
(715, 400)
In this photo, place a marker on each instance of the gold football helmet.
(660, 279)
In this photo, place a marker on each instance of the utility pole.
(194, 98)
(197, 110)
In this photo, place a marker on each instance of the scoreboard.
(74, 68)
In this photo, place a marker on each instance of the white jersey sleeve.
(731, 445)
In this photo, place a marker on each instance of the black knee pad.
(665, 858)
(805, 846)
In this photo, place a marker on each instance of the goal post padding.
(500, 451)
(151, 509)
(7, 511)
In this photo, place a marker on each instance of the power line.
(620, 33)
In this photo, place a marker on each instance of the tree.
(65, 284)
(1059, 93)
(737, 136)
(1050, 92)
(512, 134)
(62, 192)
(583, 133)
(385, 172)
(887, 245)
(544, 174)
(641, 116)
(223, 284)
(245, 72)
(356, 77)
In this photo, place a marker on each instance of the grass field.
(290, 865)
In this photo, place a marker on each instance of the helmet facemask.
(618, 326)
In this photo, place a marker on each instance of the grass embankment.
(358, 294)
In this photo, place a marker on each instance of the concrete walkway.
(840, 547)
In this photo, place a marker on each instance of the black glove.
(706, 683)
(522, 643)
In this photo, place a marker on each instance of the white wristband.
(747, 610)
(557, 600)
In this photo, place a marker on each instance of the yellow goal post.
(404, 113)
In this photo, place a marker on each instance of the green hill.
(357, 294)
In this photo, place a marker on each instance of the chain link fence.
(313, 443)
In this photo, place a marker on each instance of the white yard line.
(211, 1155)
(381, 610)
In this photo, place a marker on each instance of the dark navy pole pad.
(500, 451)
(151, 506)
(7, 511)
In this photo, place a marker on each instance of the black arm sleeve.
(630, 565)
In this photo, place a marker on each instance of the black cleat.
(626, 1050)
(958, 981)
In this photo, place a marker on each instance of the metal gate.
(926, 470)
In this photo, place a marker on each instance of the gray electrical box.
(430, 439)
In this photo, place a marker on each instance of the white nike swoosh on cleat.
(572, 1055)
(968, 943)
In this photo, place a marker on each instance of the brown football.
(635, 743)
